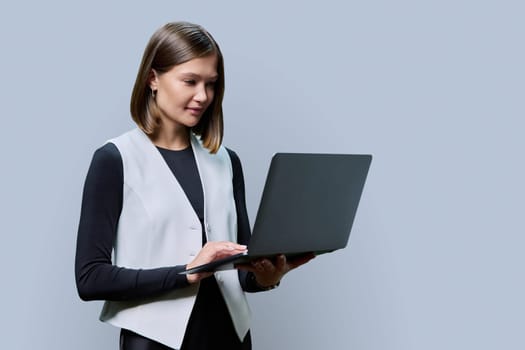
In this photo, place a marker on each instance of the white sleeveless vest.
(158, 227)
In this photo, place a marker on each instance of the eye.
(211, 84)
(189, 81)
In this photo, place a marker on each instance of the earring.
(153, 93)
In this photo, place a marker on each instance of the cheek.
(169, 102)
(173, 96)
(211, 96)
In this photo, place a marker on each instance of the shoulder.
(130, 140)
(105, 171)
(106, 163)
(107, 155)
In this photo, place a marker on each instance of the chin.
(192, 123)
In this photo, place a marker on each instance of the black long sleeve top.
(96, 277)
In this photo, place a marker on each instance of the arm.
(247, 279)
(96, 277)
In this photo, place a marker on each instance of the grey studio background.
(433, 89)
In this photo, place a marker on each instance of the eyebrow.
(193, 75)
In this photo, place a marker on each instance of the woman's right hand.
(212, 251)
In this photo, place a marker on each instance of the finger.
(264, 265)
(268, 266)
(280, 262)
(226, 245)
(227, 248)
(259, 266)
(233, 246)
(218, 250)
(300, 260)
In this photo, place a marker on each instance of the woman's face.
(185, 91)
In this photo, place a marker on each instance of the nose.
(201, 95)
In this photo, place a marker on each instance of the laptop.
(308, 205)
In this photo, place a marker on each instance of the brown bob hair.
(172, 44)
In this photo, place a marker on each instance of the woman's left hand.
(268, 273)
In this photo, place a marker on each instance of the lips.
(195, 110)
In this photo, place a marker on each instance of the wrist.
(190, 278)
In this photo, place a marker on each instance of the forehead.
(202, 66)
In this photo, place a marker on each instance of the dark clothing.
(133, 341)
(97, 278)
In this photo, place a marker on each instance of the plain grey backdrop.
(433, 89)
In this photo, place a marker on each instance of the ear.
(153, 80)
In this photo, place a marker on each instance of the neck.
(173, 138)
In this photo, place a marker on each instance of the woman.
(168, 196)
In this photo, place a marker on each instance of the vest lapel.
(164, 170)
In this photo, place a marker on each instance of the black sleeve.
(247, 279)
(96, 277)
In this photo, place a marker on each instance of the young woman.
(166, 196)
